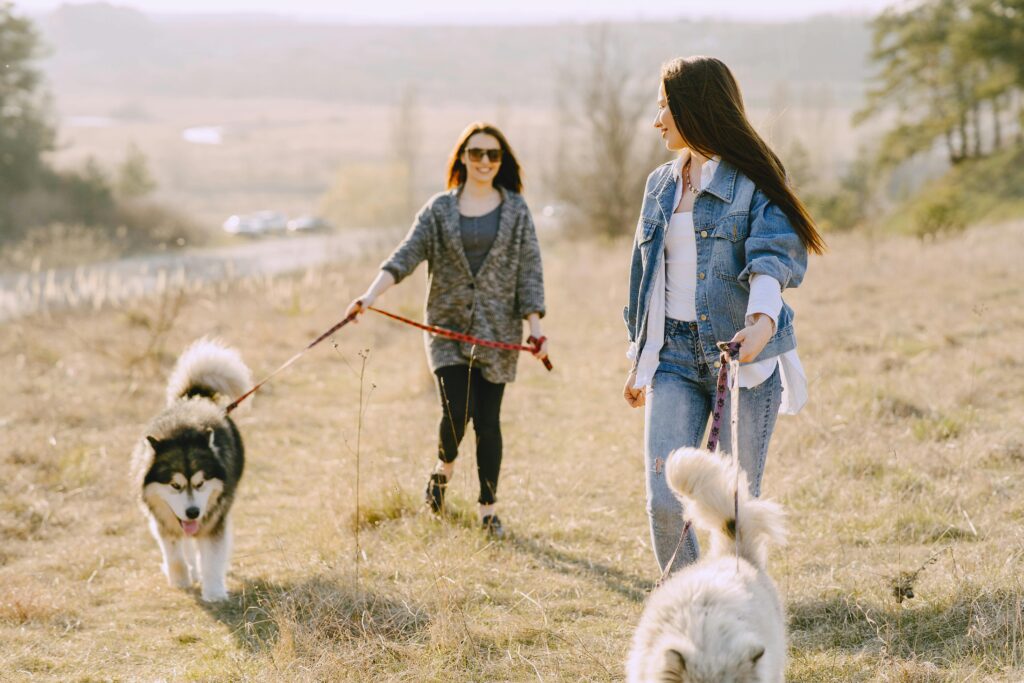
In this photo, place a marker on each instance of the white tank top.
(681, 268)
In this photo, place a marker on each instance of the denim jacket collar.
(723, 186)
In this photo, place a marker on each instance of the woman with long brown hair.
(484, 277)
(721, 234)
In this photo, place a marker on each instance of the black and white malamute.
(188, 466)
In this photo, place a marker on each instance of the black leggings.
(466, 395)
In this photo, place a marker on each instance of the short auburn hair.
(509, 175)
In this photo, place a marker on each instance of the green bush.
(974, 191)
(941, 211)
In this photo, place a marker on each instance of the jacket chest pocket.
(728, 249)
(734, 228)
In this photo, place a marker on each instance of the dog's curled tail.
(208, 368)
(708, 481)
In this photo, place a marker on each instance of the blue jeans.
(678, 407)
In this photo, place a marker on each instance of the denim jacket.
(739, 232)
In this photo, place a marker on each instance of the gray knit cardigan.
(492, 305)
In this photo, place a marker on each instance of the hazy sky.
(489, 11)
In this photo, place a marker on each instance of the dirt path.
(117, 281)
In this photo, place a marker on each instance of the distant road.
(23, 293)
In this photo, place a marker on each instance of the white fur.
(211, 363)
(719, 620)
(190, 558)
(175, 566)
(180, 501)
(214, 555)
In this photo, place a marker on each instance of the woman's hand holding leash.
(540, 350)
(380, 284)
(540, 344)
(753, 338)
(358, 306)
(538, 340)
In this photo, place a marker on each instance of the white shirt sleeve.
(765, 297)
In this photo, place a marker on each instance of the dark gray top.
(478, 233)
(490, 304)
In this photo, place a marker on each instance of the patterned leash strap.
(730, 350)
(734, 431)
(535, 343)
(729, 359)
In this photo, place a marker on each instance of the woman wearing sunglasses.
(484, 278)
(721, 235)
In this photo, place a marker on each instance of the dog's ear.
(154, 442)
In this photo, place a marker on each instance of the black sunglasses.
(477, 154)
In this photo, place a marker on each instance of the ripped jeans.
(677, 411)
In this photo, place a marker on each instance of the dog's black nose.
(192, 512)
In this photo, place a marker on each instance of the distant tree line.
(953, 71)
(34, 196)
(26, 131)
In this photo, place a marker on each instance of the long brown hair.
(707, 108)
(508, 176)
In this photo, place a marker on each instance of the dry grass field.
(902, 475)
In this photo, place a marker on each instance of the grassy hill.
(974, 191)
(903, 470)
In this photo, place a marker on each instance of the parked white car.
(242, 225)
(272, 221)
(256, 224)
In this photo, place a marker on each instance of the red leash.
(433, 329)
(458, 336)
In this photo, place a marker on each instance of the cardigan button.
(718, 364)
(703, 317)
(700, 275)
(703, 233)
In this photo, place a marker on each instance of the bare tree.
(602, 157)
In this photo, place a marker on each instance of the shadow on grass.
(972, 622)
(629, 586)
(314, 613)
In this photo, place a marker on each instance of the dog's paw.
(178, 575)
(214, 593)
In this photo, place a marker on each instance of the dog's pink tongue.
(190, 527)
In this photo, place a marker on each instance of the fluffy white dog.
(719, 620)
